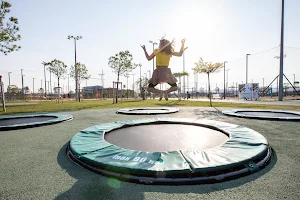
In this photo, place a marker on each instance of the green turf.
(52, 106)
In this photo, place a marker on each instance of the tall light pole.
(22, 83)
(183, 66)
(9, 78)
(140, 65)
(44, 63)
(50, 83)
(280, 95)
(278, 78)
(102, 83)
(247, 67)
(294, 80)
(133, 84)
(224, 78)
(68, 83)
(227, 79)
(263, 86)
(127, 76)
(75, 66)
(33, 85)
(153, 43)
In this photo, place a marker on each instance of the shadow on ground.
(93, 186)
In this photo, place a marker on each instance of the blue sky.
(218, 31)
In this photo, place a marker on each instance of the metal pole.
(133, 84)
(280, 96)
(9, 78)
(22, 83)
(33, 85)
(2, 95)
(102, 83)
(75, 66)
(141, 80)
(227, 79)
(127, 85)
(263, 86)
(77, 96)
(236, 89)
(68, 83)
(45, 80)
(183, 75)
(50, 83)
(247, 67)
(294, 80)
(153, 43)
(41, 83)
(277, 87)
(224, 79)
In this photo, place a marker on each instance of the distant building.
(92, 89)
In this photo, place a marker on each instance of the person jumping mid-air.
(162, 73)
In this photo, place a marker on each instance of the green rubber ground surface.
(34, 165)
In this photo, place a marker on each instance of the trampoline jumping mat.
(11, 122)
(170, 150)
(264, 114)
(147, 111)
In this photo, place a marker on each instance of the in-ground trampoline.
(170, 150)
(264, 114)
(11, 122)
(147, 111)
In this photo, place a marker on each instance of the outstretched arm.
(182, 49)
(146, 53)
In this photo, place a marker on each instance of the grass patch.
(52, 106)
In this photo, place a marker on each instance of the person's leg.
(154, 90)
(171, 89)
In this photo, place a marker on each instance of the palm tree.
(179, 75)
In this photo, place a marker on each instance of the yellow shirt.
(162, 59)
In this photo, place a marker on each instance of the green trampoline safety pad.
(20, 121)
(243, 148)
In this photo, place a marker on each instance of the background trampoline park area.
(61, 141)
(34, 164)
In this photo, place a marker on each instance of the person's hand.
(182, 41)
(143, 47)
